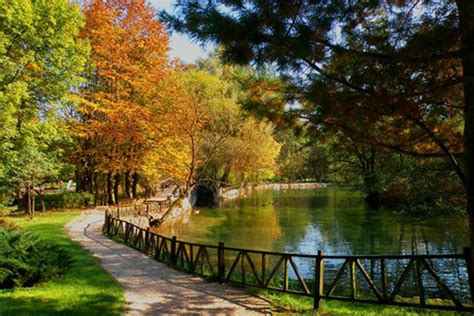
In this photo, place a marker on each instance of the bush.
(5, 206)
(5, 223)
(62, 200)
(25, 259)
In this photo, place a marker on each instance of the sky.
(181, 46)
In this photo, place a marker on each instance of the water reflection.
(334, 220)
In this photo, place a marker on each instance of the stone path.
(152, 288)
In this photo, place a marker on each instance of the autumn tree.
(234, 146)
(117, 128)
(203, 109)
(253, 152)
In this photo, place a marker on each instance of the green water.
(333, 220)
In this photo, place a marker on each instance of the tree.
(234, 145)
(254, 151)
(294, 154)
(42, 61)
(118, 129)
(409, 53)
(204, 111)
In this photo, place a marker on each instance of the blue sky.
(181, 46)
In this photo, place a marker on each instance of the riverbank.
(286, 303)
(229, 194)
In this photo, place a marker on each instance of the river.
(334, 220)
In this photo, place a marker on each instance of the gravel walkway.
(152, 288)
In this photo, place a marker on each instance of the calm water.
(333, 220)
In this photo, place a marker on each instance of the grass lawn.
(85, 289)
(304, 305)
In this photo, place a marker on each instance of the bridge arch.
(205, 193)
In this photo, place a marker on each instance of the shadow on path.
(152, 288)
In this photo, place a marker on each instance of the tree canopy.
(42, 61)
(398, 74)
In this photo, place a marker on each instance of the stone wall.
(181, 210)
(229, 194)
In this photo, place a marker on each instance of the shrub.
(5, 223)
(5, 206)
(25, 259)
(61, 200)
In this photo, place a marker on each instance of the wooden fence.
(146, 209)
(430, 281)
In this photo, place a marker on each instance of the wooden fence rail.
(154, 207)
(430, 281)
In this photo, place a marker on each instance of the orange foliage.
(129, 47)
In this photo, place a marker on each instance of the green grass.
(283, 302)
(85, 289)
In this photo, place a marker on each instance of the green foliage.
(5, 207)
(235, 146)
(42, 61)
(299, 158)
(388, 80)
(6, 223)
(424, 188)
(401, 182)
(63, 200)
(26, 260)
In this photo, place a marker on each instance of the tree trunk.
(191, 167)
(42, 204)
(40, 195)
(134, 185)
(27, 201)
(466, 19)
(116, 187)
(147, 192)
(19, 194)
(32, 204)
(371, 185)
(225, 176)
(79, 182)
(110, 197)
(95, 188)
(128, 192)
(103, 190)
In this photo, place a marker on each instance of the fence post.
(221, 262)
(470, 272)
(106, 223)
(147, 240)
(318, 281)
(173, 251)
